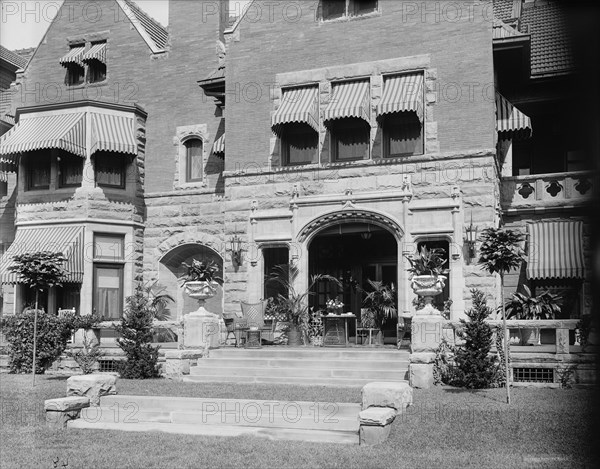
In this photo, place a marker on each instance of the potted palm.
(381, 305)
(295, 303)
(525, 306)
(427, 281)
(200, 279)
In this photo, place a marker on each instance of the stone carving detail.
(554, 188)
(582, 186)
(356, 215)
(525, 190)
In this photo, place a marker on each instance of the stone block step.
(297, 372)
(383, 365)
(124, 403)
(312, 353)
(298, 381)
(286, 415)
(271, 433)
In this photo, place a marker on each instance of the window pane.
(68, 296)
(404, 135)
(300, 144)
(108, 291)
(360, 7)
(96, 71)
(110, 170)
(333, 8)
(351, 137)
(75, 74)
(193, 160)
(71, 170)
(109, 247)
(38, 171)
(274, 257)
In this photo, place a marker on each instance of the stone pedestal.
(425, 339)
(60, 411)
(201, 329)
(375, 425)
(178, 362)
(397, 396)
(92, 386)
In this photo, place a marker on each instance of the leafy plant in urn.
(427, 280)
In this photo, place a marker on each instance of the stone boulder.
(92, 386)
(375, 425)
(396, 395)
(60, 411)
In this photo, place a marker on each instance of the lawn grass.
(445, 427)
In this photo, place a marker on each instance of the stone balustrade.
(553, 189)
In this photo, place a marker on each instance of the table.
(335, 329)
(253, 338)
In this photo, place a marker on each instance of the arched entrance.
(354, 250)
(171, 268)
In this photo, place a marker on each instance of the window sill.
(346, 18)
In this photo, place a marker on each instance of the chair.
(254, 315)
(404, 325)
(366, 328)
(63, 312)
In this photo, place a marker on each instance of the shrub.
(52, 336)
(475, 367)
(136, 335)
(86, 357)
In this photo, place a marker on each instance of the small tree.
(500, 252)
(40, 270)
(136, 336)
(475, 368)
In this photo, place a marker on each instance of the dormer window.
(75, 67)
(95, 59)
(332, 9)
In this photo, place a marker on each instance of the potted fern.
(525, 306)
(427, 279)
(200, 279)
(381, 305)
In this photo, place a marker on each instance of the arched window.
(193, 160)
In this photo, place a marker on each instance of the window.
(108, 275)
(300, 143)
(75, 74)
(70, 170)
(3, 184)
(96, 71)
(273, 257)
(403, 135)
(332, 9)
(193, 160)
(37, 169)
(350, 139)
(110, 170)
(569, 290)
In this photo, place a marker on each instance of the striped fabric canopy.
(403, 93)
(112, 133)
(63, 131)
(510, 122)
(65, 239)
(96, 52)
(219, 145)
(298, 105)
(349, 99)
(74, 56)
(555, 250)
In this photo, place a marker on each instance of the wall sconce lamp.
(471, 238)
(235, 245)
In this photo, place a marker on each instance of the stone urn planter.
(202, 329)
(428, 287)
(200, 290)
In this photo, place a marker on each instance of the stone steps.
(302, 366)
(276, 420)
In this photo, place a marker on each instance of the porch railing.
(553, 189)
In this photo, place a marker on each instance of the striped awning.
(112, 133)
(3, 176)
(349, 99)
(74, 56)
(298, 105)
(96, 52)
(67, 240)
(510, 122)
(403, 93)
(555, 250)
(63, 131)
(219, 145)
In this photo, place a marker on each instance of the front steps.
(275, 420)
(312, 366)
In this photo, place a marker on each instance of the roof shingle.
(157, 32)
(12, 58)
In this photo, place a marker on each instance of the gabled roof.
(544, 21)
(14, 59)
(154, 33)
(502, 30)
